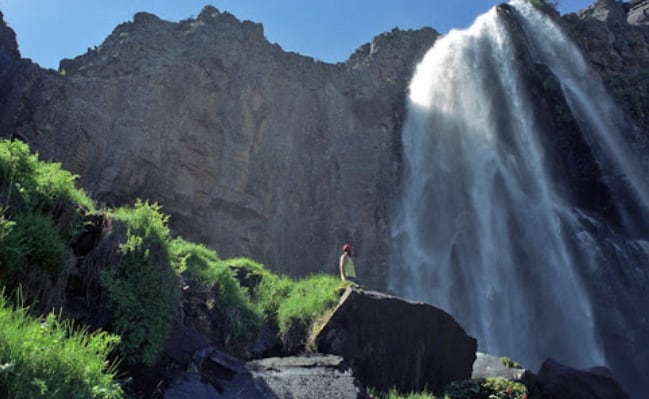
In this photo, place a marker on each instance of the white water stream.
(482, 231)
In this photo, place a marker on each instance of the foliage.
(509, 363)
(141, 292)
(308, 298)
(267, 290)
(394, 394)
(33, 185)
(49, 358)
(42, 210)
(203, 265)
(486, 388)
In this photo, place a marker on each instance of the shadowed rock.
(393, 343)
(558, 381)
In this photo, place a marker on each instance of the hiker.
(347, 270)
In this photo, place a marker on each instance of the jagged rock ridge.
(252, 150)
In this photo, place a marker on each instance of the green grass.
(308, 299)
(47, 358)
(393, 394)
(203, 265)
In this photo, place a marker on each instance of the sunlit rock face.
(253, 150)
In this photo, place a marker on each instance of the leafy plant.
(50, 358)
(141, 292)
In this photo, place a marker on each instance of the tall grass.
(47, 358)
(203, 265)
(308, 299)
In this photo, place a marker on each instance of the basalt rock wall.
(252, 150)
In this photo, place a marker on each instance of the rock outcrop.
(219, 375)
(557, 381)
(252, 150)
(391, 343)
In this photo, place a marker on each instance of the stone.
(392, 343)
(558, 381)
(306, 377)
(190, 386)
(492, 366)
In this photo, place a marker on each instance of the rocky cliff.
(252, 150)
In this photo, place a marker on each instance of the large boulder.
(392, 343)
(558, 381)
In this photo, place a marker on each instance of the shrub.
(141, 292)
(40, 242)
(486, 388)
(31, 185)
(42, 210)
(49, 358)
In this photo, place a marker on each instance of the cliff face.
(252, 150)
(614, 37)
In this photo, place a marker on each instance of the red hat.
(347, 247)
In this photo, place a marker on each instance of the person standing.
(347, 269)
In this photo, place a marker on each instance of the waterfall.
(484, 229)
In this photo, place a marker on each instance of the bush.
(203, 265)
(42, 210)
(48, 358)
(142, 293)
(486, 388)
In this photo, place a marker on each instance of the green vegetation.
(480, 388)
(141, 292)
(250, 294)
(307, 299)
(47, 358)
(509, 363)
(42, 212)
(203, 265)
(486, 388)
(394, 394)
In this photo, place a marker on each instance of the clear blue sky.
(329, 30)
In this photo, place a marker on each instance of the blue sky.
(328, 30)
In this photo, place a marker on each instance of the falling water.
(484, 231)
